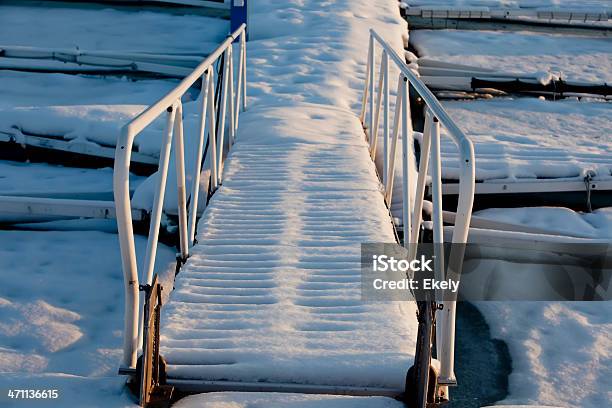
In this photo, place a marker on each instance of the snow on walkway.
(529, 138)
(279, 400)
(272, 291)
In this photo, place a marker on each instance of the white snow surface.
(528, 138)
(560, 350)
(595, 225)
(80, 108)
(61, 314)
(280, 400)
(578, 58)
(86, 108)
(107, 29)
(271, 292)
(39, 179)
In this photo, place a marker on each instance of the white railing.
(429, 158)
(233, 97)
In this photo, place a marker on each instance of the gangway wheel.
(422, 377)
(151, 366)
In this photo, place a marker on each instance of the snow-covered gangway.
(268, 297)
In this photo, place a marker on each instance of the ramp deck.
(270, 297)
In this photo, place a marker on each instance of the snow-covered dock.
(525, 146)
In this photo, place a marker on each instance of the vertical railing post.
(125, 229)
(394, 137)
(231, 127)
(371, 92)
(222, 114)
(238, 87)
(406, 136)
(244, 70)
(212, 136)
(366, 88)
(417, 213)
(179, 159)
(197, 165)
(444, 346)
(385, 69)
(160, 191)
(379, 99)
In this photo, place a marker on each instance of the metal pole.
(121, 191)
(238, 87)
(417, 214)
(371, 93)
(379, 98)
(405, 162)
(232, 126)
(160, 191)
(394, 137)
(221, 128)
(385, 68)
(179, 158)
(212, 137)
(195, 188)
(244, 70)
(364, 98)
(444, 345)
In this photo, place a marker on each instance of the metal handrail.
(172, 105)
(430, 150)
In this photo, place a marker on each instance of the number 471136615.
(32, 394)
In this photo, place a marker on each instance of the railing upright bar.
(160, 191)
(221, 128)
(237, 106)
(406, 136)
(366, 88)
(244, 70)
(212, 136)
(385, 68)
(371, 92)
(179, 159)
(379, 100)
(231, 127)
(125, 229)
(417, 214)
(195, 188)
(446, 324)
(394, 137)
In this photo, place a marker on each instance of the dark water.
(482, 364)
